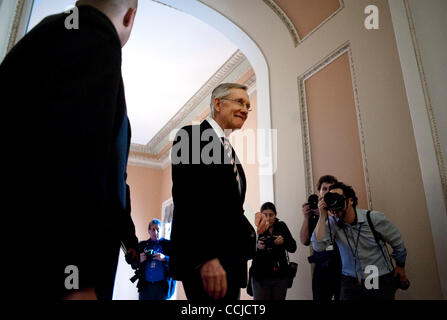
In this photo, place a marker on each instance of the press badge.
(330, 248)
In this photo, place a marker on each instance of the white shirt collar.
(216, 127)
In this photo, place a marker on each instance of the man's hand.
(160, 257)
(322, 207)
(400, 272)
(306, 210)
(132, 256)
(214, 279)
(320, 229)
(261, 222)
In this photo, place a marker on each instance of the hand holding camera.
(279, 240)
(311, 207)
(131, 256)
(260, 245)
(322, 206)
(159, 257)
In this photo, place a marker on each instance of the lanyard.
(330, 231)
(354, 253)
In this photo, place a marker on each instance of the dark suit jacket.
(69, 140)
(209, 220)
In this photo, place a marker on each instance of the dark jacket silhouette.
(67, 144)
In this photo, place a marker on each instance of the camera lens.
(334, 201)
(313, 201)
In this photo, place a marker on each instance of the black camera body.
(268, 242)
(139, 272)
(334, 201)
(150, 253)
(313, 202)
(399, 285)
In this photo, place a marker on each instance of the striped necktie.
(229, 152)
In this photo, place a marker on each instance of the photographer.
(355, 230)
(154, 282)
(327, 271)
(269, 268)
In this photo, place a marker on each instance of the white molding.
(285, 19)
(141, 161)
(428, 104)
(291, 27)
(165, 161)
(22, 16)
(228, 67)
(251, 85)
(224, 72)
(423, 127)
(235, 60)
(345, 48)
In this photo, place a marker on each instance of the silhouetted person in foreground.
(63, 96)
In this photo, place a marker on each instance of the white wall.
(419, 28)
(430, 22)
(390, 148)
(6, 19)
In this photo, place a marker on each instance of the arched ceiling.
(302, 17)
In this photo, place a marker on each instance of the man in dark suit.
(211, 237)
(64, 99)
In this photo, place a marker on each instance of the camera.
(268, 242)
(313, 201)
(149, 252)
(334, 201)
(400, 285)
(139, 272)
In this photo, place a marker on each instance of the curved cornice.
(285, 19)
(291, 27)
(236, 59)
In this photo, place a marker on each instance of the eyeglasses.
(240, 103)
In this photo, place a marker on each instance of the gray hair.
(154, 221)
(114, 5)
(223, 91)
